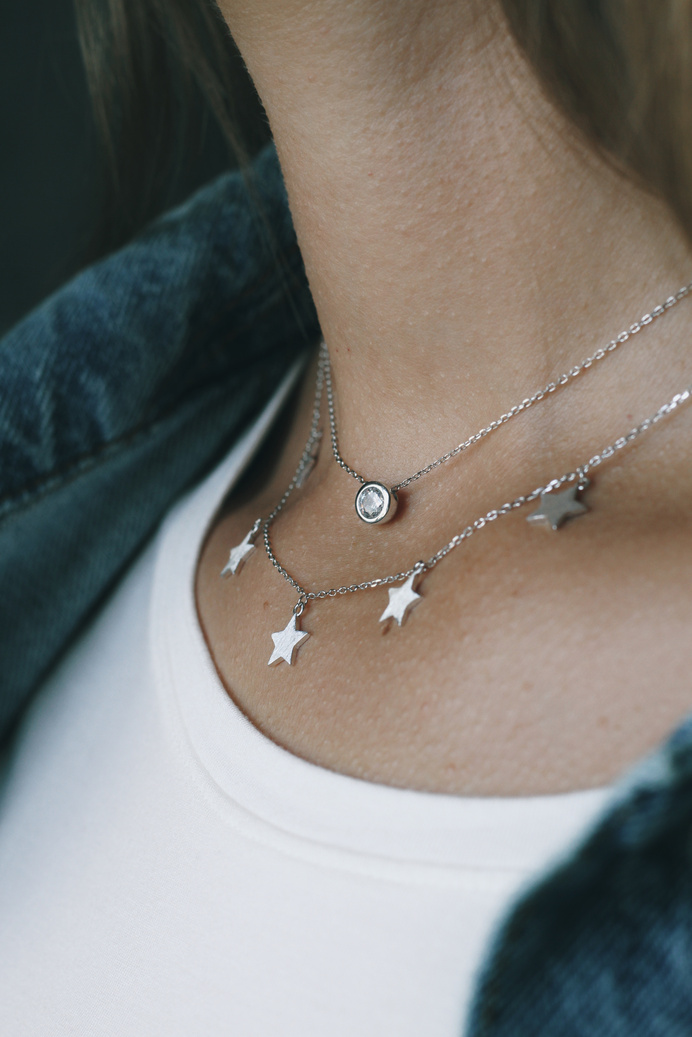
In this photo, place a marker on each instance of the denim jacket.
(119, 392)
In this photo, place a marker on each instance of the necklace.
(558, 500)
(376, 502)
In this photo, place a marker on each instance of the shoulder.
(123, 387)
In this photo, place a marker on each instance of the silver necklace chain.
(529, 401)
(554, 508)
(578, 475)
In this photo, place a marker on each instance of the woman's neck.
(462, 244)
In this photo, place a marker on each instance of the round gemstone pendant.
(375, 503)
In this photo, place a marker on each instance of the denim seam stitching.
(35, 487)
(33, 492)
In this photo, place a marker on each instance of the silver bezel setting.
(388, 508)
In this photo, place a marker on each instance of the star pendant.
(556, 508)
(239, 554)
(401, 600)
(286, 642)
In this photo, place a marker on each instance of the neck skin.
(463, 245)
(463, 248)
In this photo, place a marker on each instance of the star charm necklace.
(556, 508)
(287, 642)
(242, 552)
(559, 500)
(401, 600)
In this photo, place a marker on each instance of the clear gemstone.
(371, 502)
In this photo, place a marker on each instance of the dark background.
(51, 182)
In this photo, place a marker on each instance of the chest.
(529, 666)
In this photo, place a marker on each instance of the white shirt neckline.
(284, 798)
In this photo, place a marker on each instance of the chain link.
(324, 359)
(307, 458)
(529, 401)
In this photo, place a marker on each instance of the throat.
(463, 245)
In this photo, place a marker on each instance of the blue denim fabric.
(603, 945)
(122, 388)
(120, 391)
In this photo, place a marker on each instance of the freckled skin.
(463, 248)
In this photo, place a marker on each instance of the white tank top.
(165, 869)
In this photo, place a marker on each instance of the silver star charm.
(556, 508)
(401, 599)
(286, 642)
(239, 554)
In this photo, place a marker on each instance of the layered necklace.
(557, 500)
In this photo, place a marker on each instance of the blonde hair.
(620, 69)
